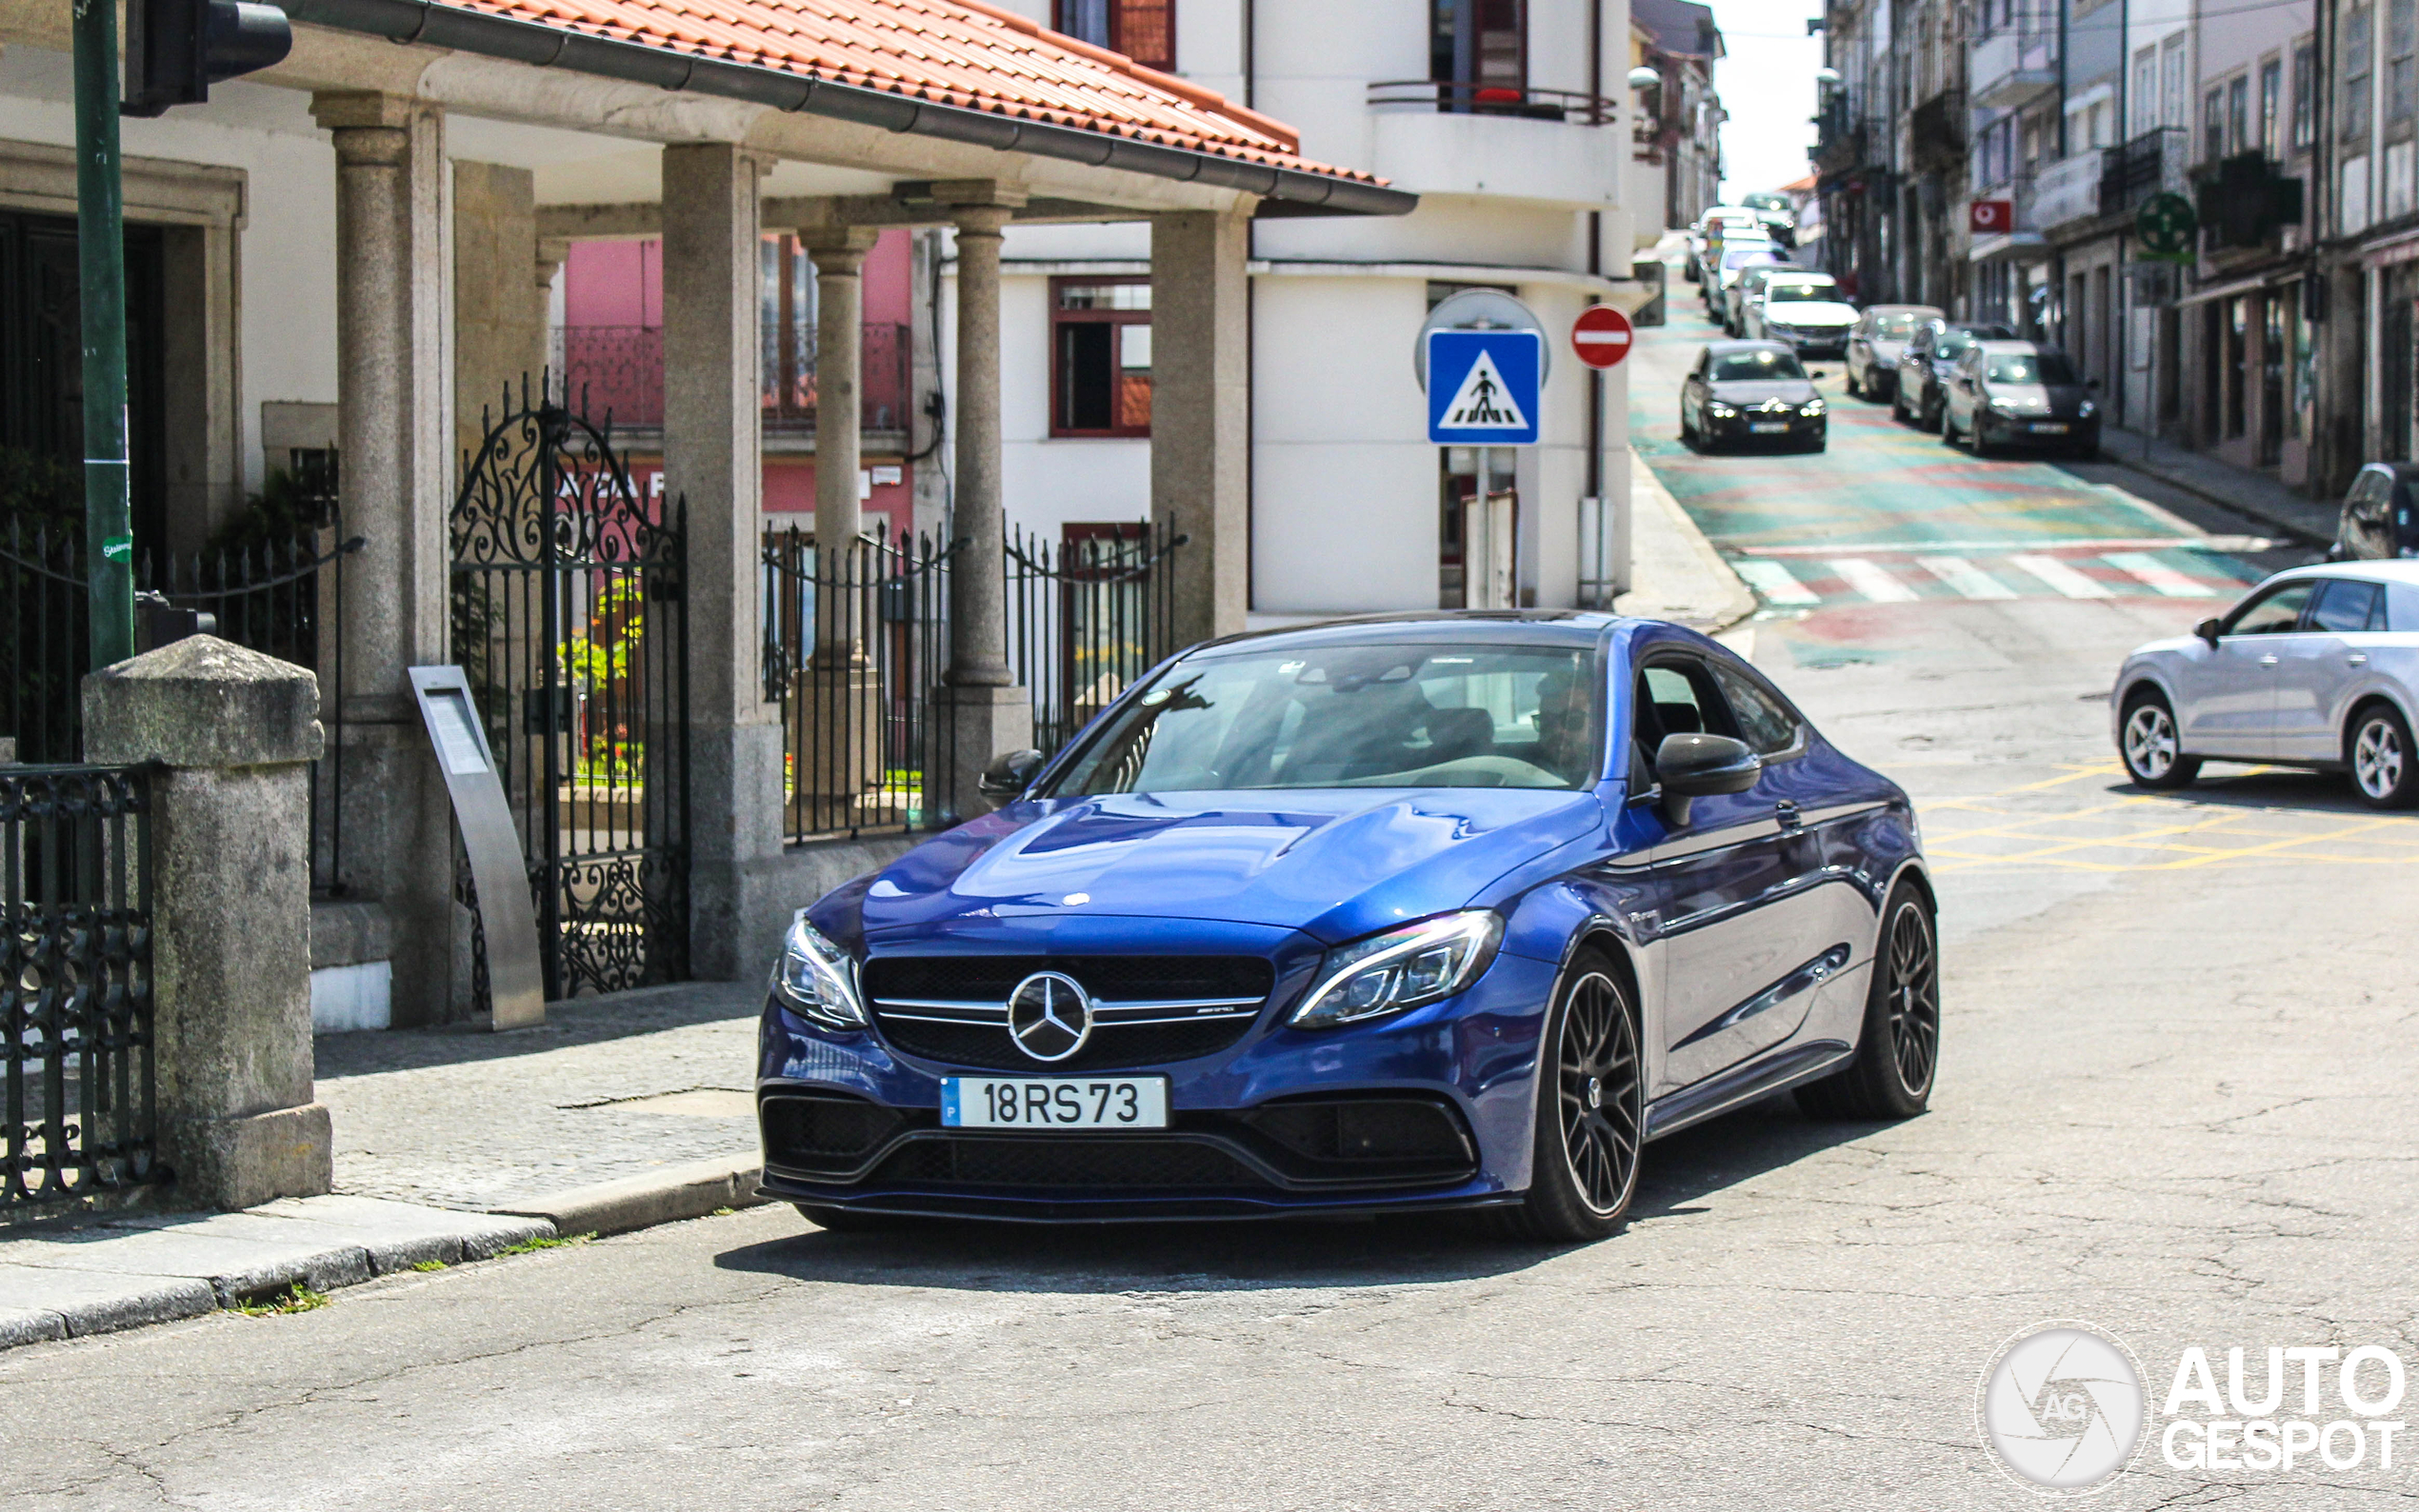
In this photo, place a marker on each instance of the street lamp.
(1642, 77)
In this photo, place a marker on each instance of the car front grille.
(1147, 1009)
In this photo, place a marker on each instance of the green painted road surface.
(1892, 515)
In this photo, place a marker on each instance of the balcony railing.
(1494, 99)
(620, 370)
(2017, 64)
(1936, 131)
(2068, 189)
(2152, 163)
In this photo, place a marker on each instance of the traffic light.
(175, 50)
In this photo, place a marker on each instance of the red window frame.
(1143, 31)
(1060, 318)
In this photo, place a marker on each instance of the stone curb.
(2299, 531)
(668, 1196)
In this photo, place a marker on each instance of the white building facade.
(1505, 118)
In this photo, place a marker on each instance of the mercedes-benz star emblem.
(1050, 1016)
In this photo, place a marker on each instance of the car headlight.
(1812, 409)
(818, 978)
(2086, 409)
(1401, 968)
(1721, 411)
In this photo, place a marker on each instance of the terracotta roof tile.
(959, 53)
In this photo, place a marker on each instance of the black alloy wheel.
(1899, 1053)
(1591, 1110)
(2150, 745)
(2385, 768)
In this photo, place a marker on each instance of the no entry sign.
(1601, 336)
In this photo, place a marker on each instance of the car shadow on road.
(1401, 1249)
(2262, 787)
(575, 1022)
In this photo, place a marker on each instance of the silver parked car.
(2317, 668)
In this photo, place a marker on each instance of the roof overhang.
(430, 23)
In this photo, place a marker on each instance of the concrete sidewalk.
(451, 1144)
(1675, 573)
(2223, 484)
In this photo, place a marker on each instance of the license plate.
(1057, 1102)
(2050, 430)
(1769, 427)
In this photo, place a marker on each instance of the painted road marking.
(1873, 582)
(1964, 577)
(2060, 576)
(2159, 575)
(1774, 582)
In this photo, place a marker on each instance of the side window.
(1682, 699)
(1763, 724)
(2345, 608)
(2278, 612)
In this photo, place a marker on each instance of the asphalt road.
(2174, 1102)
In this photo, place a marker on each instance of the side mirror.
(1701, 767)
(1004, 780)
(1816, 376)
(2206, 631)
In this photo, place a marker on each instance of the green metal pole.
(108, 538)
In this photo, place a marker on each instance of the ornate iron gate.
(570, 621)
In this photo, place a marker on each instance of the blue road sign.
(1482, 387)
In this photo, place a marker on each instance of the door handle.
(1785, 811)
(2268, 661)
(2356, 659)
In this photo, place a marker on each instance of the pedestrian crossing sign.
(1482, 387)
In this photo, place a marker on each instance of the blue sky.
(1766, 83)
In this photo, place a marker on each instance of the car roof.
(2405, 471)
(1574, 627)
(1724, 348)
(1901, 309)
(2389, 571)
(2001, 344)
(1795, 270)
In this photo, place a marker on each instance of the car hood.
(1809, 313)
(1755, 391)
(1334, 863)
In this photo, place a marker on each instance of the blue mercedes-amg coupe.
(1433, 912)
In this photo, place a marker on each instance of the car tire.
(2150, 746)
(1935, 415)
(1591, 1110)
(1898, 402)
(1688, 435)
(1848, 381)
(2385, 768)
(1899, 1053)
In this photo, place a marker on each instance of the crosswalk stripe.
(1964, 577)
(1774, 582)
(2159, 575)
(1873, 582)
(2062, 577)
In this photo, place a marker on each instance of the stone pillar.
(839, 698)
(395, 438)
(1200, 398)
(712, 457)
(552, 255)
(496, 332)
(230, 734)
(986, 713)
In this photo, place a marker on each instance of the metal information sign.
(515, 985)
(2165, 224)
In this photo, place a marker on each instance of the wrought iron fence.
(282, 597)
(854, 645)
(1087, 616)
(75, 981)
(570, 621)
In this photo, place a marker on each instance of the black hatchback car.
(1924, 365)
(2378, 520)
(1752, 390)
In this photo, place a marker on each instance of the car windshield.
(1756, 366)
(1893, 328)
(1432, 715)
(1952, 343)
(2033, 368)
(1747, 256)
(1785, 294)
(1766, 202)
